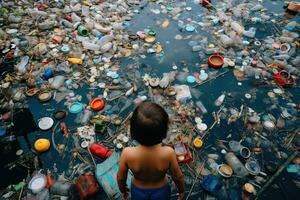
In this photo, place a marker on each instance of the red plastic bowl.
(97, 104)
(215, 61)
(284, 79)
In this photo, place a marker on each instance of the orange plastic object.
(97, 104)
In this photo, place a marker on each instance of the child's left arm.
(122, 173)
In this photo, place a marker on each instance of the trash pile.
(71, 72)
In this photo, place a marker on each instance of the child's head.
(149, 124)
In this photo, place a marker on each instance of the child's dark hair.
(149, 124)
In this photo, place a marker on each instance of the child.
(150, 161)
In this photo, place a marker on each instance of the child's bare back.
(149, 165)
(150, 161)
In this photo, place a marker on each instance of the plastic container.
(57, 82)
(42, 145)
(21, 66)
(237, 27)
(215, 61)
(219, 101)
(236, 165)
(61, 188)
(82, 30)
(202, 108)
(90, 46)
(97, 104)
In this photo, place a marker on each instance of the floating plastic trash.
(45, 123)
(37, 183)
(45, 96)
(202, 127)
(197, 143)
(252, 167)
(190, 79)
(150, 39)
(97, 104)
(42, 145)
(216, 61)
(75, 107)
(60, 114)
(284, 79)
(189, 28)
(225, 170)
(100, 151)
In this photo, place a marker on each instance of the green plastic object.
(19, 186)
(82, 30)
(152, 33)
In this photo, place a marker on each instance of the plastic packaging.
(202, 108)
(219, 101)
(236, 165)
(57, 82)
(21, 66)
(250, 33)
(90, 46)
(237, 27)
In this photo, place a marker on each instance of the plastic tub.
(216, 61)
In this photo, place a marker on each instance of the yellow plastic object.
(42, 145)
(197, 143)
(75, 60)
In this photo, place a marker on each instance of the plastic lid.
(37, 183)
(60, 114)
(225, 170)
(189, 28)
(249, 188)
(76, 107)
(84, 144)
(45, 123)
(190, 79)
(202, 127)
(114, 75)
(97, 104)
(45, 96)
(150, 39)
(42, 145)
(198, 143)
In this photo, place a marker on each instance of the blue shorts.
(163, 193)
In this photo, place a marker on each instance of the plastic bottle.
(46, 25)
(75, 60)
(236, 165)
(219, 101)
(225, 40)
(197, 48)
(90, 46)
(237, 27)
(21, 66)
(66, 23)
(75, 18)
(86, 116)
(57, 82)
(202, 108)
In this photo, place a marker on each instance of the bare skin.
(149, 165)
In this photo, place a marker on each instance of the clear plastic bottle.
(236, 165)
(237, 27)
(202, 108)
(21, 66)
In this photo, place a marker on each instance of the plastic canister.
(61, 188)
(82, 30)
(236, 164)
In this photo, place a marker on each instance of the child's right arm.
(176, 172)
